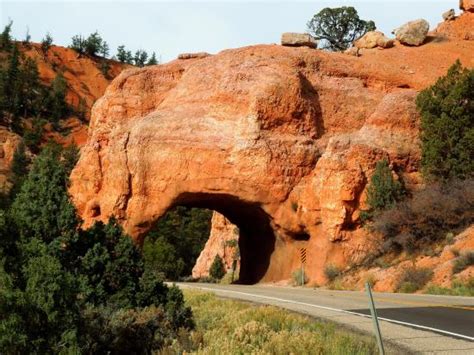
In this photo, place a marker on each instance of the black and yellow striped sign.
(303, 255)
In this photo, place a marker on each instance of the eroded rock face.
(466, 5)
(412, 33)
(281, 141)
(221, 242)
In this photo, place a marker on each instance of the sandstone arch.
(290, 134)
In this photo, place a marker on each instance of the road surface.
(420, 323)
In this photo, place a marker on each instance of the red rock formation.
(220, 241)
(280, 140)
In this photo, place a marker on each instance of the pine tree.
(78, 44)
(140, 58)
(122, 54)
(383, 190)
(59, 107)
(447, 125)
(217, 270)
(70, 157)
(104, 50)
(5, 37)
(46, 43)
(152, 60)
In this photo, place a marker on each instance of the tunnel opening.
(256, 239)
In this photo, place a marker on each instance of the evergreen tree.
(447, 125)
(59, 108)
(46, 43)
(70, 157)
(140, 58)
(383, 190)
(122, 54)
(5, 37)
(42, 208)
(19, 168)
(152, 60)
(27, 40)
(338, 27)
(78, 44)
(104, 50)
(217, 269)
(94, 44)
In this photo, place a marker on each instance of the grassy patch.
(232, 327)
(412, 279)
(458, 288)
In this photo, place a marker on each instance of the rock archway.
(280, 140)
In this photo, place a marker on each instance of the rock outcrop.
(374, 39)
(412, 33)
(449, 15)
(461, 28)
(292, 39)
(221, 242)
(281, 141)
(198, 55)
(466, 5)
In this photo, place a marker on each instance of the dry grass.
(231, 327)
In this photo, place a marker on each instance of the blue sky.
(173, 27)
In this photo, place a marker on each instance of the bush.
(463, 261)
(297, 277)
(383, 191)
(412, 279)
(217, 269)
(427, 217)
(447, 125)
(46, 42)
(331, 272)
(338, 27)
(458, 288)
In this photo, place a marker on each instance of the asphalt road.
(420, 323)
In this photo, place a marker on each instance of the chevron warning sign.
(303, 255)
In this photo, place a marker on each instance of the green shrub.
(447, 125)
(217, 269)
(463, 261)
(412, 279)
(331, 272)
(299, 277)
(458, 288)
(383, 190)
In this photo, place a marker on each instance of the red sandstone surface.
(280, 140)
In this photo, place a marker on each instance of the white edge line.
(336, 310)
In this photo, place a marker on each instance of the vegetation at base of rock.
(463, 261)
(174, 243)
(447, 125)
(331, 272)
(338, 27)
(232, 327)
(428, 216)
(458, 288)
(299, 277)
(68, 290)
(383, 190)
(413, 279)
(217, 269)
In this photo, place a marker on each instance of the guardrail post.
(375, 320)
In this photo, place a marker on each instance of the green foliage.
(412, 279)
(217, 269)
(331, 272)
(5, 37)
(123, 55)
(140, 58)
(299, 277)
(59, 108)
(338, 27)
(383, 191)
(78, 43)
(46, 43)
(447, 125)
(463, 261)
(458, 288)
(70, 157)
(152, 60)
(66, 290)
(174, 243)
(93, 45)
(19, 168)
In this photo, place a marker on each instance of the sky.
(173, 27)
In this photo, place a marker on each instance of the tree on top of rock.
(338, 27)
